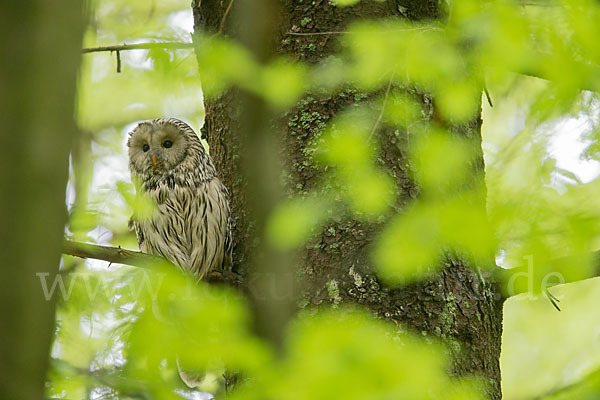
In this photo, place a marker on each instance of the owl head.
(162, 146)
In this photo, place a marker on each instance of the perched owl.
(190, 223)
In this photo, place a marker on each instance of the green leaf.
(443, 161)
(293, 221)
(344, 3)
(282, 83)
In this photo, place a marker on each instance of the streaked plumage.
(190, 223)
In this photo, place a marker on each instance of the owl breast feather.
(189, 225)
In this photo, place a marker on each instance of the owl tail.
(192, 379)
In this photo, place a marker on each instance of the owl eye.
(145, 147)
(167, 144)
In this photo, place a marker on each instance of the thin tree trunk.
(456, 305)
(41, 49)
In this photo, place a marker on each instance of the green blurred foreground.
(118, 330)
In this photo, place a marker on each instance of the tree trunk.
(456, 305)
(41, 50)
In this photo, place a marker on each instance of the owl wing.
(211, 242)
(228, 256)
(135, 228)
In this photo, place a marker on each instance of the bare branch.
(385, 98)
(112, 254)
(224, 19)
(118, 62)
(316, 33)
(118, 255)
(140, 46)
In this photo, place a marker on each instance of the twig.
(553, 299)
(118, 62)
(385, 98)
(112, 254)
(140, 46)
(222, 25)
(420, 28)
(316, 33)
(487, 95)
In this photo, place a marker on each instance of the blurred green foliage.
(348, 354)
(295, 220)
(347, 145)
(119, 331)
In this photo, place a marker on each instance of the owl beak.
(154, 160)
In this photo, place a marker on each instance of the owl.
(190, 224)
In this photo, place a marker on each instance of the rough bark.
(41, 51)
(456, 304)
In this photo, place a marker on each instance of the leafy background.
(540, 144)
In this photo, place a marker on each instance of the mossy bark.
(457, 304)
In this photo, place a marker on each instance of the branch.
(115, 255)
(385, 98)
(592, 69)
(224, 19)
(140, 46)
(118, 255)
